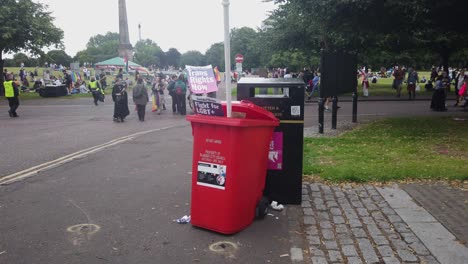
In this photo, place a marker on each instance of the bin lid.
(244, 113)
(271, 81)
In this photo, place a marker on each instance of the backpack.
(137, 92)
(178, 88)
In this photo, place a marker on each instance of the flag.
(217, 75)
(126, 63)
(154, 107)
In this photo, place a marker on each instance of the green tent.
(116, 62)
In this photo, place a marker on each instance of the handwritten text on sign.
(201, 79)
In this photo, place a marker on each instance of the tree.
(397, 26)
(293, 60)
(173, 57)
(162, 58)
(103, 47)
(243, 42)
(33, 31)
(192, 58)
(215, 55)
(83, 57)
(19, 58)
(59, 57)
(440, 28)
(147, 53)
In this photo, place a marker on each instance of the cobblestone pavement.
(356, 225)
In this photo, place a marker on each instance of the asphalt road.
(130, 193)
(117, 205)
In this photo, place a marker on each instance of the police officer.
(11, 93)
(96, 90)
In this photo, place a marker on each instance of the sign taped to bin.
(207, 106)
(275, 155)
(211, 175)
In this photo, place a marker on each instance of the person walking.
(120, 98)
(399, 75)
(96, 90)
(315, 85)
(68, 81)
(159, 88)
(11, 94)
(459, 82)
(140, 98)
(438, 97)
(103, 80)
(412, 81)
(365, 82)
(180, 89)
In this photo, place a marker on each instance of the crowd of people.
(176, 86)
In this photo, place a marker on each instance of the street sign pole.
(227, 57)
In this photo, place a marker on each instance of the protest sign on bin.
(207, 106)
(201, 79)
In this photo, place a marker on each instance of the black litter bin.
(285, 99)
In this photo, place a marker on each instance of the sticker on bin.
(275, 154)
(295, 110)
(211, 175)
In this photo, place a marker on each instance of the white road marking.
(21, 175)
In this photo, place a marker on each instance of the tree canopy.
(419, 33)
(192, 58)
(29, 32)
(173, 57)
(215, 55)
(369, 27)
(147, 53)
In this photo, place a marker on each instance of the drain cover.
(223, 246)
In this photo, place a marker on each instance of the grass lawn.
(433, 148)
(383, 87)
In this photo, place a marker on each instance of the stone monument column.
(125, 48)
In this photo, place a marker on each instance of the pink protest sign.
(275, 155)
(201, 79)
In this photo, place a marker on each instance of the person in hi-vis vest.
(96, 90)
(11, 94)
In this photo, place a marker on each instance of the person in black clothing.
(120, 98)
(103, 80)
(67, 79)
(120, 74)
(171, 89)
(438, 97)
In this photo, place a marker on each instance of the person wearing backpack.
(140, 98)
(180, 89)
(171, 90)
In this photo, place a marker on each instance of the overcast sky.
(181, 24)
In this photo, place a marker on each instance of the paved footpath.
(368, 224)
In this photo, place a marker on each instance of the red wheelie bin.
(229, 167)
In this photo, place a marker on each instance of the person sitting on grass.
(82, 87)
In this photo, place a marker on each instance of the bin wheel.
(262, 208)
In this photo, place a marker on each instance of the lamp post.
(227, 57)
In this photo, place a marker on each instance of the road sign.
(239, 58)
(238, 67)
